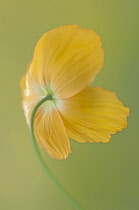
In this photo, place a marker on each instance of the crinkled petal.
(67, 58)
(28, 104)
(93, 114)
(49, 129)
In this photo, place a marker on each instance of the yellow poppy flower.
(66, 60)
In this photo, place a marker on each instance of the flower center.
(53, 96)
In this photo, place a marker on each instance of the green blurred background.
(100, 176)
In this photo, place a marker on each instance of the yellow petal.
(48, 127)
(23, 85)
(51, 134)
(93, 114)
(28, 104)
(67, 58)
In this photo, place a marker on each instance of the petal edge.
(93, 114)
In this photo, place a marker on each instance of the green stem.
(42, 162)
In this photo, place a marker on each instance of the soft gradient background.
(100, 176)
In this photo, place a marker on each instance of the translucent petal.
(51, 134)
(49, 129)
(67, 59)
(93, 114)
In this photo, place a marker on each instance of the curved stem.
(42, 162)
